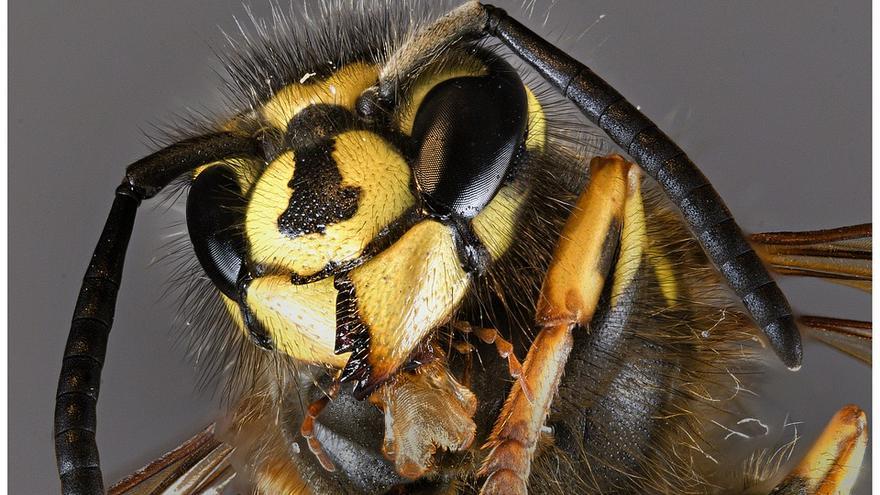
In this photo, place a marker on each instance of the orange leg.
(833, 462)
(505, 350)
(307, 430)
(582, 259)
(516, 432)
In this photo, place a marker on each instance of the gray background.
(771, 99)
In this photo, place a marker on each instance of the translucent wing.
(841, 255)
(198, 466)
(849, 336)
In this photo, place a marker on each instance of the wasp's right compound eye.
(214, 215)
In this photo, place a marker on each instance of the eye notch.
(468, 132)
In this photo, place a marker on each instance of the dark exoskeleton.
(507, 466)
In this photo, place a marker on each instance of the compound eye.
(469, 131)
(214, 217)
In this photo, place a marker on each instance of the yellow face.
(350, 270)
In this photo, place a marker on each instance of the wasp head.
(357, 236)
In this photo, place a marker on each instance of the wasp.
(416, 284)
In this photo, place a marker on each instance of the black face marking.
(319, 199)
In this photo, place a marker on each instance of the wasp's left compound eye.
(469, 131)
(214, 215)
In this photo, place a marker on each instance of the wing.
(198, 466)
(848, 336)
(841, 255)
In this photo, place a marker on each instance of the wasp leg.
(307, 430)
(505, 350)
(76, 450)
(425, 410)
(463, 347)
(662, 159)
(833, 462)
(848, 336)
(841, 255)
(572, 287)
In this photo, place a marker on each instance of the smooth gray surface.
(770, 99)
